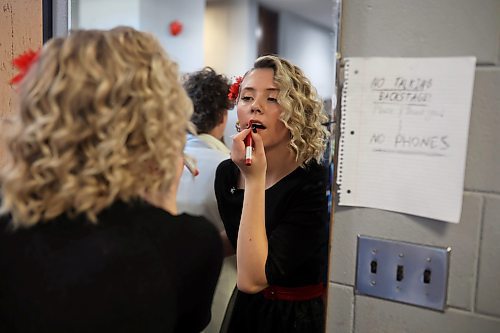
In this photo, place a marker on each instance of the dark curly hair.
(208, 91)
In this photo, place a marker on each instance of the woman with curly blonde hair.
(272, 199)
(90, 237)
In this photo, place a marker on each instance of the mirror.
(228, 35)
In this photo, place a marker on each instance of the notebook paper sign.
(404, 129)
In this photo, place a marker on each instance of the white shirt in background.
(196, 195)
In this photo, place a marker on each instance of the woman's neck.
(165, 201)
(280, 163)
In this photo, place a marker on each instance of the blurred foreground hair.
(103, 117)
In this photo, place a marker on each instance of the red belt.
(294, 294)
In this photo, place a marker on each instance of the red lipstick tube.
(248, 149)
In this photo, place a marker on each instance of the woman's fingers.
(241, 135)
(258, 144)
(259, 154)
(238, 147)
(253, 161)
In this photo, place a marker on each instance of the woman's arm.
(252, 246)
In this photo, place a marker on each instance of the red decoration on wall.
(175, 28)
(23, 63)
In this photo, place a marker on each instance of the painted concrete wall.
(310, 47)
(186, 48)
(422, 29)
(153, 16)
(230, 44)
(20, 30)
(96, 14)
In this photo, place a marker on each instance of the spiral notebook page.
(404, 130)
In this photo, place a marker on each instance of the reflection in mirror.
(228, 35)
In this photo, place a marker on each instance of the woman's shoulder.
(125, 219)
(195, 240)
(316, 170)
(226, 174)
(5, 224)
(179, 225)
(197, 224)
(305, 186)
(315, 177)
(142, 223)
(311, 173)
(226, 165)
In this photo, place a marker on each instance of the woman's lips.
(255, 125)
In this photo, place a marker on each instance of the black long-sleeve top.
(296, 214)
(139, 269)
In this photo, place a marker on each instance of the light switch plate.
(403, 272)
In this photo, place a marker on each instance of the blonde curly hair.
(100, 110)
(303, 112)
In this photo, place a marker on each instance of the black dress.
(297, 231)
(139, 269)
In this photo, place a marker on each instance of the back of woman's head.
(208, 91)
(97, 109)
(303, 112)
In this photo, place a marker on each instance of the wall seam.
(478, 258)
(476, 314)
(471, 190)
(342, 284)
(353, 305)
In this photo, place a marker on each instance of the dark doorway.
(267, 39)
(47, 20)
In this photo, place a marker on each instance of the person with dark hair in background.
(91, 240)
(208, 91)
(272, 200)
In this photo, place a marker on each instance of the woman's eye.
(246, 98)
(272, 99)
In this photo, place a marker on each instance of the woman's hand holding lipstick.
(249, 141)
(190, 164)
(248, 152)
(249, 147)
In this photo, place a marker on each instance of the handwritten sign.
(404, 134)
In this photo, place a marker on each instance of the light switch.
(403, 272)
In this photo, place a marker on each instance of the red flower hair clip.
(234, 90)
(23, 63)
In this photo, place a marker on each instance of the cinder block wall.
(425, 28)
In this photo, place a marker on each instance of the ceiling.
(317, 11)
